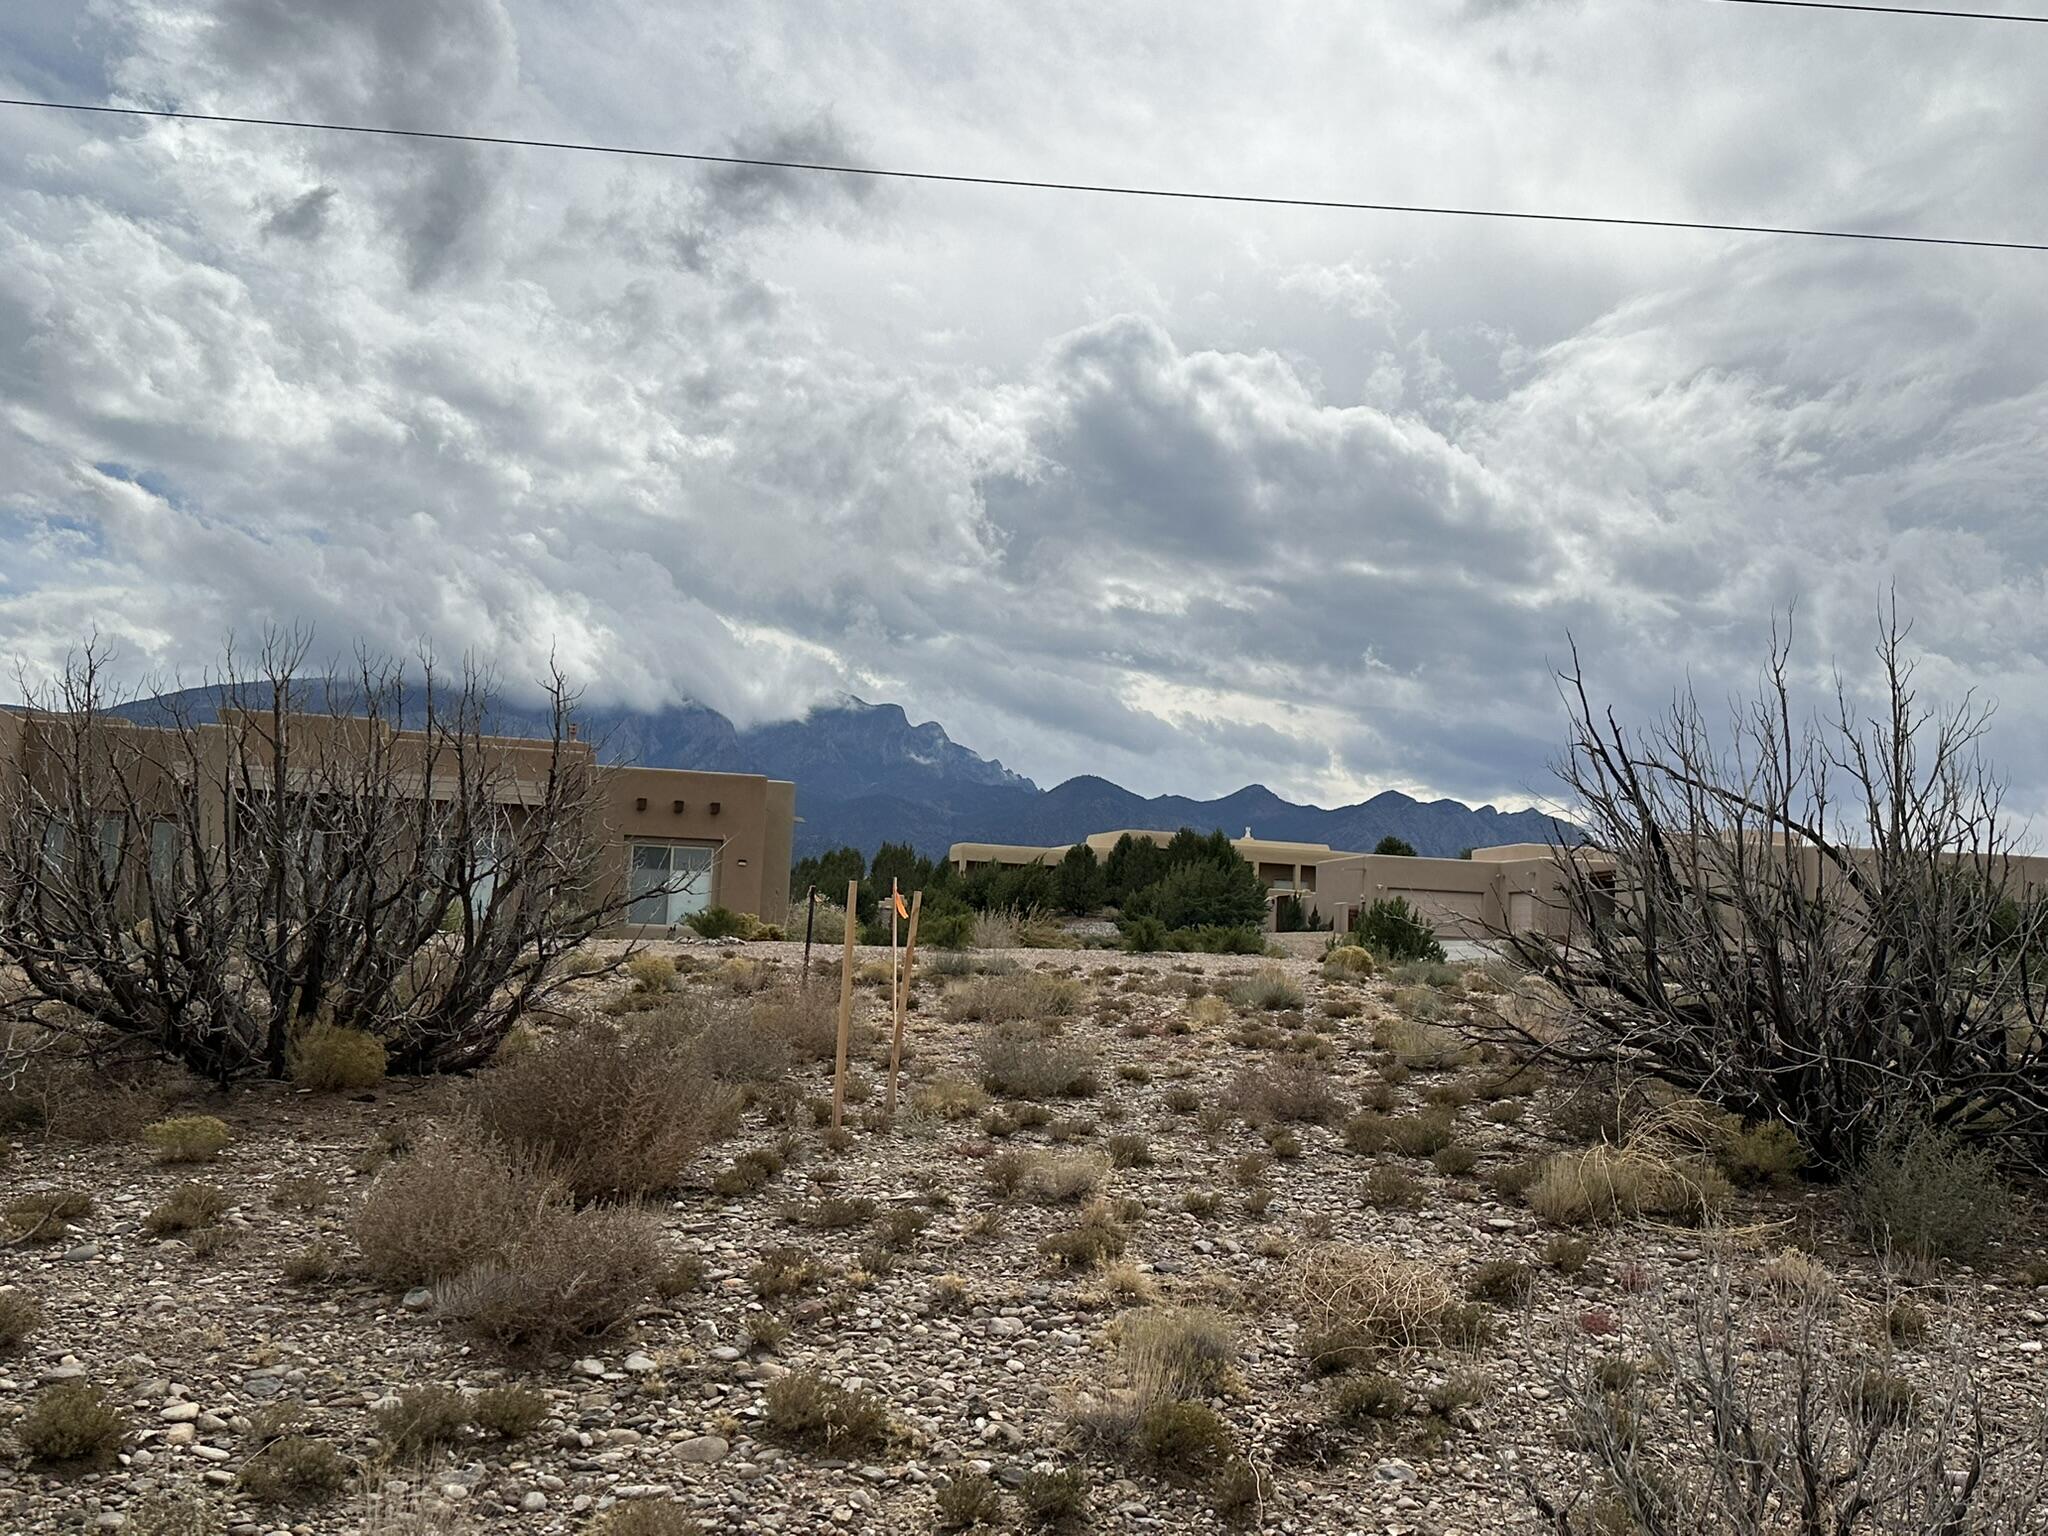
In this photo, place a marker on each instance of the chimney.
(572, 730)
(1247, 834)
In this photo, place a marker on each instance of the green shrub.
(188, 1208)
(72, 1423)
(947, 931)
(1389, 1189)
(1919, 1192)
(510, 1413)
(424, 1419)
(806, 1410)
(1054, 1499)
(1768, 1153)
(720, 923)
(329, 1059)
(1185, 1439)
(1144, 935)
(1347, 962)
(651, 973)
(969, 1500)
(20, 1316)
(1394, 931)
(1505, 1282)
(294, 1469)
(1367, 1398)
(1097, 1238)
(188, 1138)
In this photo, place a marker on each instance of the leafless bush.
(1811, 1438)
(1297, 1091)
(1815, 922)
(359, 851)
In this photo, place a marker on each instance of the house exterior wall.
(746, 821)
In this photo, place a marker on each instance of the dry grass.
(447, 1206)
(1603, 1184)
(1296, 1091)
(571, 1275)
(1176, 1352)
(1019, 1065)
(188, 1138)
(1021, 997)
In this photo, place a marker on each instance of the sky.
(1187, 495)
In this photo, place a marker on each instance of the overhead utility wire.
(1891, 10)
(877, 173)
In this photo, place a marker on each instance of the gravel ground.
(669, 1407)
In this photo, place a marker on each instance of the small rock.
(180, 1413)
(534, 1502)
(703, 1449)
(641, 1364)
(418, 1299)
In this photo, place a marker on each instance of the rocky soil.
(977, 1346)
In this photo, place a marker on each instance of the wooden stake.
(903, 997)
(845, 1005)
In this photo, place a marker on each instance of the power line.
(1891, 10)
(878, 173)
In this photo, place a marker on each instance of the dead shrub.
(807, 1022)
(650, 972)
(1353, 1303)
(424, 1420)
(46, 1216)
(330, 1059)
(969, 1500)
(608, 1116)
(310, 1265)
(449, 1205)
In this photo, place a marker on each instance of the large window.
(667, 882)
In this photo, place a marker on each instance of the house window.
(667, 882)
(163, 854)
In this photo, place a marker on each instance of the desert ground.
(1217, 1138)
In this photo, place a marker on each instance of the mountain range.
(866, 775)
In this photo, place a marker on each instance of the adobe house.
(728, 834)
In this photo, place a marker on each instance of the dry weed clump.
(806, 1410)
(1270, 990)
(1602, 1184)
(188, 1138)
(46, 1216)
(1020, 997)
(949, 1098)
(1176, 1352)
(1349, 962)
(1297, 1091)
(1352, 1303)
(329, 1059)
(72, 1423)
(1017, 1064)
(188, 1208)
(512, 1258)
(609, 1115)
(1098, 1238)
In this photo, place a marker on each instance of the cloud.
(1187, 495)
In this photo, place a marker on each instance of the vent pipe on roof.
(1247, 834)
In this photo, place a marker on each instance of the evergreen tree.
(1079, 881)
